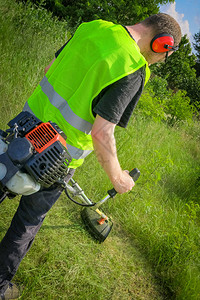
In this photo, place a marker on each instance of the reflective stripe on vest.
(62, 105)
(78, 153)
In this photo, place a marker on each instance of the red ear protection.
(163, 42)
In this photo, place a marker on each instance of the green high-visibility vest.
(99, 54)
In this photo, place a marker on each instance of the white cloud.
(170, 9)
(197, 20)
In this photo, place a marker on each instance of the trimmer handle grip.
(135, 174)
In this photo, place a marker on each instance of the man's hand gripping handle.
(135, 174)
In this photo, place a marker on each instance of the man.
(92, 85)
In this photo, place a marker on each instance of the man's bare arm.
(105, 149)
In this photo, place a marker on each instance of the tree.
(121, 11)
(180, 73)
(197, 48)
(197, 44)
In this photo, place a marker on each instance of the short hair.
(164, 23)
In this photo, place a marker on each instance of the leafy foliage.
(180, 73)
(179, 66)
(122, 11)
(197, 44)
(162, 104)
(178, 108)
(197, 48)
(151, 106)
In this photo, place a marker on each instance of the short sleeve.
(117, 102)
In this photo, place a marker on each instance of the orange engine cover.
(43, 136)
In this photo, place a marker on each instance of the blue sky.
(187, 13)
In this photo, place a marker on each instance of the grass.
(161, 215)
(153, 250)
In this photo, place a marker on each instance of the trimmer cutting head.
(96, 222)
(98, 227)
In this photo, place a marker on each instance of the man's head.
(163, 23)
(157, 35)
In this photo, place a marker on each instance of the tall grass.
(29, 39)
(153, 249)
(162, 214)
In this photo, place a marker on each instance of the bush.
(121, 11)
(178, 108)
(162, 104)
(151, 106)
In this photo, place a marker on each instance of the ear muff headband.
(163, 42)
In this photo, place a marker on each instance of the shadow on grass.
(55, 227)
(126, 237)
(184, 189)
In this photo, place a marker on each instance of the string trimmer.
(33, 155)
(96, 222)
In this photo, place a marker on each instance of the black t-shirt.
(116, 102)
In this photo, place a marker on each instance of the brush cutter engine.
(33, 154)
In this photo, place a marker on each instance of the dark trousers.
(25, 224)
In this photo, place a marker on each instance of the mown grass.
(153, 249)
